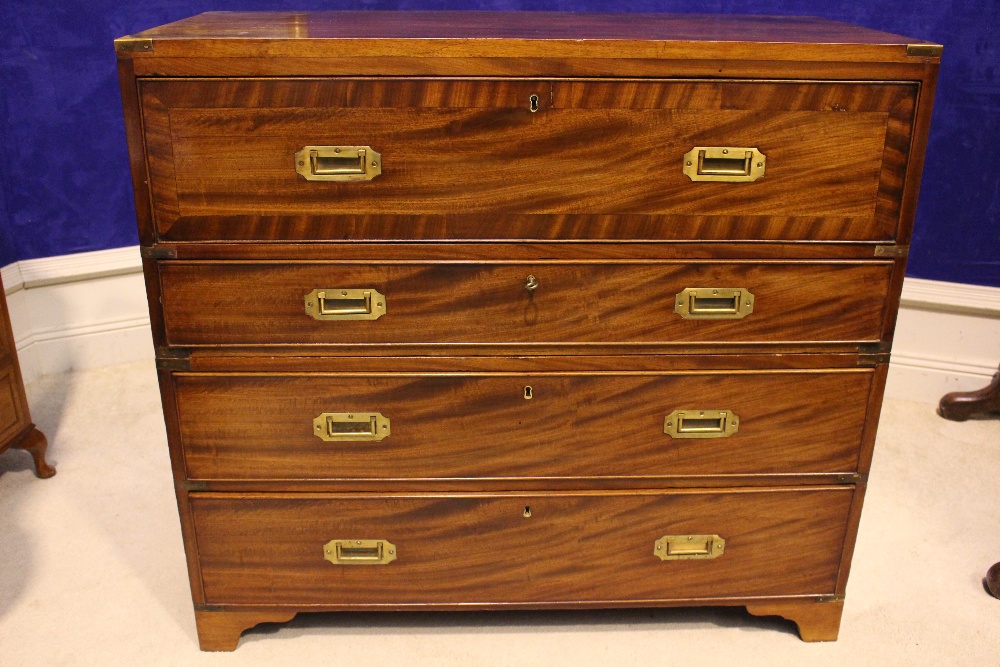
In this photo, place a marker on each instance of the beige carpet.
(92, 569)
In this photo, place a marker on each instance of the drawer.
(475, 426)
(571, 303)
(13, 411)
(469, 549)
(566, 159)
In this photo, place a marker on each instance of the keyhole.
(527, 393)
(533, 103)
(527, 511)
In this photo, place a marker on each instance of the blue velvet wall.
(64, 184)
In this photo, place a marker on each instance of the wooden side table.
(959, 406)
(16, 428)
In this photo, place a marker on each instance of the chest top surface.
(522, 34)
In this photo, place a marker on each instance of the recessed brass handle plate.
(714, 303)
(338, 163)
(345, 304)
(351, 427)
(684, 547)
(359, 552)
(725, 164)
(701, 424)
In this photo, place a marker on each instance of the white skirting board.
(78, 311)
(89, 310)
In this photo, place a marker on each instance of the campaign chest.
(521, 310)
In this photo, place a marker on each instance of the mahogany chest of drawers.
(491, 311)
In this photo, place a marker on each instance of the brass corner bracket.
(892, 250)
(133, 45)
(157, 252)
(173, 359)
(925, 50)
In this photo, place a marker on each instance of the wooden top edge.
(520, 34)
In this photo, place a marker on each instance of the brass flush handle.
(714, 303)
(351, 427)
(338, 163)
(531, 283)
(727, 164)
(359, 552)
(684, 547)
(345, 304)
(701, 424)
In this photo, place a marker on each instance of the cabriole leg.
(35, 444)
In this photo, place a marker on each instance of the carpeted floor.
(93, 570)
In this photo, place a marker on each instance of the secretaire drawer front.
(573, 303)
(474, 426)
(380, 159)
(511, 548)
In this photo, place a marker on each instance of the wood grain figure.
(605, 323)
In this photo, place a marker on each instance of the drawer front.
(262, 549)
(594, 160)
(578, 303)
(13, 413)
(468, 426)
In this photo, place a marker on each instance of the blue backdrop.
(64, 184)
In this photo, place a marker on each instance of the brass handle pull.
(351, 426)
(683, 547)
(345, 304)
(701, 424)
(359, 552)
(727, 164)
(531, 283)
(338, 163)
(714, 303)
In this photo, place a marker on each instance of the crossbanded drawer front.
(572, 303)
(232, 159)
(518, 548)
(469, 426)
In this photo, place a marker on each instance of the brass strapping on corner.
(192, 485)
(173, 359)
(873, 359)
(892, 250)
(925, 50)
(133, 45)
(872, 354)
(157, 252)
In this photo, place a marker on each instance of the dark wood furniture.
(16, 429)
(992, 580)
(608, 328)
(959, 406)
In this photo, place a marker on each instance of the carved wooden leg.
(221, 630)
(35, 444)
(960, 405)
(817, 621)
